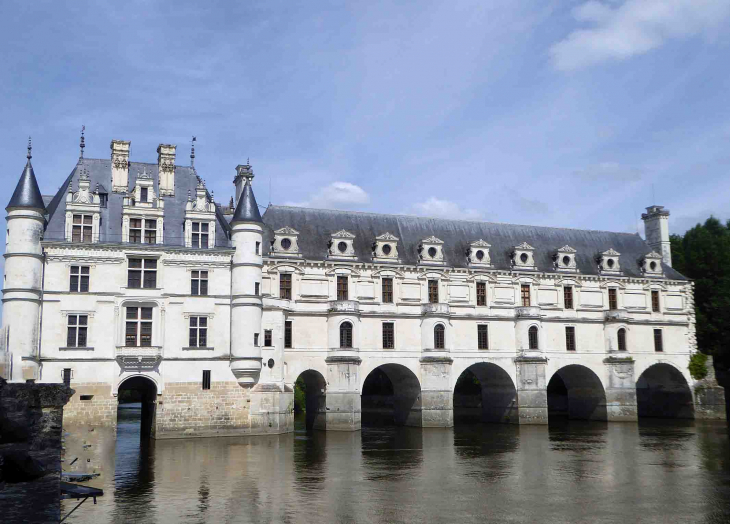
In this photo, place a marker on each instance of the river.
(651, 472)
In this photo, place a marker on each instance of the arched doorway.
(576, 392)
(663, 392)
(484, 392)
(310, 397)
(142, 390)
(391, 395)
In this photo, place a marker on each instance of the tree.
(703, 254)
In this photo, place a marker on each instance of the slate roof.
(316, 226)
(247, 209)
(100, 171)
(27, 194)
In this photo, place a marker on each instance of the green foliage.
(703, 254)
(698, 366)
(300, 396)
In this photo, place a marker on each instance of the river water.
(659, 471)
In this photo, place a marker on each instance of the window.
(268, 338)
(525, 293)
(568, 297)
(206, 379)
(255, 340)
(388, 290)
(138, 225)
(287, 334)
(76, 333)
(198, 332)
(258, 248)
(482, 336)
(200, 234)
(570, 338)
(199, 283)
(285, 286)
(481, 293)
(388, 335)
(622, 339)
(142, 273)
(256, 288)
(612, 298)
(139, 327)
(81, 229)
(439, 337)
(658, 344)
(433, 291)
(103, 198)
(532, 338)
(144, 194)
(79, 282)
(655, 301)
(345, 335)
(67, 377)
(342, 291)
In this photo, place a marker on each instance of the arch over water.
(663, 392)
(391, 394)
(576, 392)
(144, 390)
(315, 398)
(484, 392)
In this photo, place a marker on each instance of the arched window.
(345, 335)
(622, 339)
(532, 336)
(439, 337)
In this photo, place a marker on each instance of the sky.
(559, 113)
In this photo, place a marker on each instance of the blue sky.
(564, 113)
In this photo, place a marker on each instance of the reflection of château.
(132, 277)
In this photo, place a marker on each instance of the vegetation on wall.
(300, 396)
(703, 255)
(698, 366)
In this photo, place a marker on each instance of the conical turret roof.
(247, 209)
(26, 192)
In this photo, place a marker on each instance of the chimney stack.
(656, 231)
(243, 173)
(166, 169)
(120, 165)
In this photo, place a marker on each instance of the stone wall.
(99, 410)
(31, 417)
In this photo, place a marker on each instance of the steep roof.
(316, 226)
(247, 209)
(100, 172)
(27, 194)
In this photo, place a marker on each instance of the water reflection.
(676, 471)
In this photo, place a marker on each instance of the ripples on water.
(663, 471)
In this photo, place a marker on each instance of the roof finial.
(248, 161)
(30, 147)
(82, 145)
(192, 153)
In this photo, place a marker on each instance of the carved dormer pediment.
(285, 242)
(478, 254)
(83, 211)
(608, 262)
(385, 248)
(565, 260)
(523, 257)
(201, 203)
(431, 251)
(341, 245)
(651, 264)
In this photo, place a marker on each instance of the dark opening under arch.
(576, 392)
(312, 386)
(663, 392)
(391, 395)
(484, 392)
(144, 390)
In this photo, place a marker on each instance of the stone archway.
(663, 392)
(144, 390)
(484, 392)
(576, 392)
(391, 395)
(315, 398)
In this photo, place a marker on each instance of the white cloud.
(337, 195)
(610, 171)
(633, 28)
(437, 208)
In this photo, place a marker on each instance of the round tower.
(246, 303)
(23, 277)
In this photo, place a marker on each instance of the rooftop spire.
(26, 193)
(247, 209)
(192, 153)
(82, 144)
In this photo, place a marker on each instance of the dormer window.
(200, 235)
(478, 254)
(523, 257)
(82, 212)
(341, 245)
(200, 221)
(431, 251)
(385, 248)
(608, 262)
(285, 242)
(565, 259)
(651, 265)
(142, 213)
(82, 228)
(143, 194)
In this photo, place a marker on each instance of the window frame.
(621, 339)
(482, 336)
(612, 299)
(346, 335)
(142, 229)
(570, 339)
(77, 328)
(481, 293)
(388, 333)
(194, 341)
(288, 334)
(206, 379)
(386, 286)
(655, 301)
(568, 302)
(268, 338)
(199, 237)
(66, 376)
(85, 229)
(533, 338)
(82, 278)
(658, 341)
(439, 336)
(525, 295)
(343, 287)
(139, 322)
(199, 282)
(285, 286)
(143, 271)
(433, 291)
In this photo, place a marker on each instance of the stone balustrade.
(527, 312)
(435, 309)
(344, 306)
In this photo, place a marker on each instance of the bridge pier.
(437, 406)
(343, 395)
(709, 396)
(532, 389)
(621, 391)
